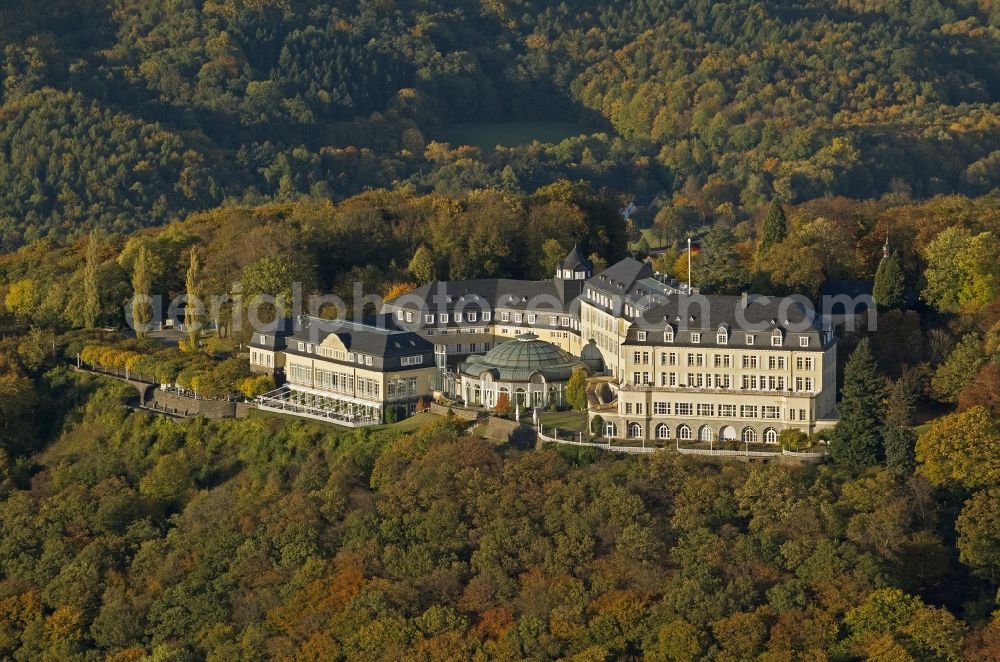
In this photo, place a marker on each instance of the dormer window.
(803, 341)
(668, 335)
(472, 317)
(776, 340)
(695, 338)
(750, 338)
(458, 317)
(429, 319)
(486, 317)
(444, 318)
(642, 336)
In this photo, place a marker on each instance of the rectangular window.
(683, 408)
(722, 338)
(302, 346)
(642, 336)
(428, 319)
(798, 383)
(661, 408)
(668, 336)
(444, 318)
(486, 316)
(802, 414)
(809, 363)
(750, 338)
(636, 378)
(803, 341)
(772, 362)
(705, 409)
(673, 379)
(776, 340)
(770, 412)
(400, 315)
(809, 384)
(564, 321)
(504, 317)
(748, 411)
(458, 317)
(729, 411)
(695, 338)
(368, 360)
(628, 407)
(531, 319)
(518, 318)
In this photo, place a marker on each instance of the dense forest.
(120, 114)
(129, 536)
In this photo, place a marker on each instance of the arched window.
(770, 436)
(634, 430)
(684, 433)
(662, 431)
(610, 429)
(705, 433)
(749, 436)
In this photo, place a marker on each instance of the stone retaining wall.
(185, 406)
(463, 414)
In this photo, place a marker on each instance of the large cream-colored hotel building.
(667, 365)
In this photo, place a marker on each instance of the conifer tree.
(900, 441)
(91, 295)
(422, 265)
(192, 316)
(576, 390)
(775, 228)
(890, 283)
(857, 438)
(142, 312)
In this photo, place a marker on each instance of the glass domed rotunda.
(530, 371)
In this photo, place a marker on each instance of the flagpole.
(689, 265)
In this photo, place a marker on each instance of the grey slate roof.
(491, 294)
(576, 260)
(757, 315)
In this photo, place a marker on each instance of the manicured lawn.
(920, 430)
(564, 420)
(487, 135)
(410, 424)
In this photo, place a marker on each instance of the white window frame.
(642, 336)
(803, 341)
(750, 338)
(696, 338)
(428, 319)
